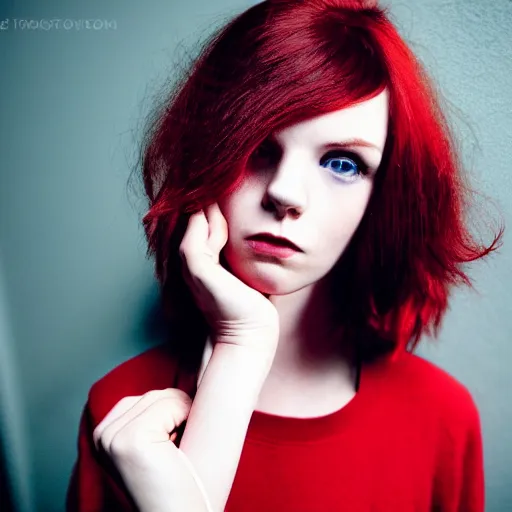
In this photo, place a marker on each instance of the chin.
(269, 286)
(266, 278)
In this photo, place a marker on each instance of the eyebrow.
(356, 142)
(351, 143)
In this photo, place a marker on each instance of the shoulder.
(428, 387)
(156, 368)
(448, 420)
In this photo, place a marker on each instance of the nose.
(285, 194)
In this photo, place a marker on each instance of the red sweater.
(409, 441)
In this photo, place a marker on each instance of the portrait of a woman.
(307, 218)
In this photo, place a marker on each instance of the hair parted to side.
(281, 62)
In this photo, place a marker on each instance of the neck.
(310, 341)
(312, 373)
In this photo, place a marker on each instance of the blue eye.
(344, 164)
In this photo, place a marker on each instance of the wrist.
(249, 360)
(260, 344)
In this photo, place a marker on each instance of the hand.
(136, 435)
(237, 313)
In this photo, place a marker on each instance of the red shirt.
(409, 441)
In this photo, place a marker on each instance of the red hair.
(282, 62)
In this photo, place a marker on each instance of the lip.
(279, 241)
(267, 243)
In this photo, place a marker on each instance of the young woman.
(306, 214)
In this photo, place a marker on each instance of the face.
(309, 183)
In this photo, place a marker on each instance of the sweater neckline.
(272, 428)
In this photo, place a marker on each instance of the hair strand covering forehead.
(280, 62)
(347, 4)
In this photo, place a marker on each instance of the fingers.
(150, 417)
(204, 238)
(218, 229)
(124, 405)
(153, 425)
(193, 243)
(196, 236)
(206, 235)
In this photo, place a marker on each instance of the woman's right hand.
(237, 313)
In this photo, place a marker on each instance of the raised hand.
(237, 313)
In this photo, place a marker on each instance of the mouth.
(274, 240)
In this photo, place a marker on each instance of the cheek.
(240, 206)
(230, 211)
(341, 219)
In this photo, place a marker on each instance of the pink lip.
(271, 249)
(274, 239)
(267, 243)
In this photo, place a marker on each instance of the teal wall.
(75, 287)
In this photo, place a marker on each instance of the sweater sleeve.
(459, 483)
(472, 491)
(95, 485)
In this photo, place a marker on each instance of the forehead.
(367, 120)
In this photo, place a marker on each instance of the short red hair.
(282, 62)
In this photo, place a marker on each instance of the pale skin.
(268, 353)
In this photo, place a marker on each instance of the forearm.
(178, 492)
(217, 424)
